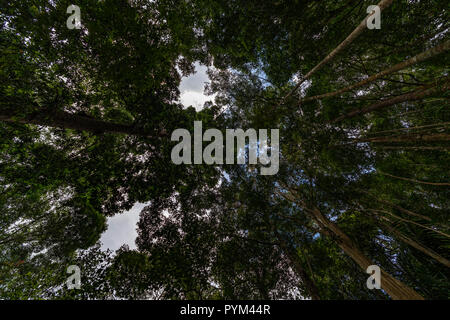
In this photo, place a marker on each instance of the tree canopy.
(86, 118)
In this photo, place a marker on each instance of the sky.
(122, 227)
(192, 87)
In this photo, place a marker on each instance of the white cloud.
(192, 88)
(196, 81)
(195, 99)
(122, 229)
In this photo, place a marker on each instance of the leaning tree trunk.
(67, 120)
(350, 38)
(415, 244)
(395, 288)
(416, 128)
(411, 96)
(414, 180)
(402, 65)
(409, 137)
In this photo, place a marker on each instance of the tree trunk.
(414, 148)
(413, 222)
(411, 96)
(350, 38)
(428, 126)
(393, 205)
(395, 288)
(417, 137)
(67, 120)
(298, 267)
(414, 180)
(416, 245)
(416, 59)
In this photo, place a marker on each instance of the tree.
(363, 118)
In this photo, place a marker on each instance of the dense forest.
(86, 116)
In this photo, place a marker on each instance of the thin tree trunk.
(416, 59)
(415, 181)
(411, 96)
(444, 124)
(416, 137)
(355, 33)
(403, 237)
(397, 206)
(413, 148)
(298, 267)
(416, 245)
(413, 222)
